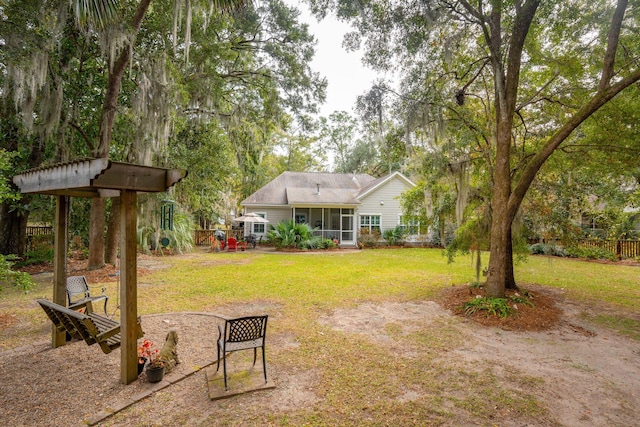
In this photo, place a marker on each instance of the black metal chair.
(243, 333)
(78, 292)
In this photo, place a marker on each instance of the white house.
(337, 205)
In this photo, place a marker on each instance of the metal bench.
(87, 326)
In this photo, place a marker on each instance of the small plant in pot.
(154, 364)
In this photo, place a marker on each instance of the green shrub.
(501, 307)
(492, 306)
(328, 244)
(394, 235)
(181, 237)
(40, 255)
(547, 249)
(288, 234)
(591, 253)
(8, 276)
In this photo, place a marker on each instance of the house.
(337, 205)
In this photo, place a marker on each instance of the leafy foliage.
(8, 276)
(394, 235)
(181, 237)
(501, 307)
(289, 234)
(547, 249)
(590, 253)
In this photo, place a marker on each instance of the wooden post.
(128, 288)
(61, 234)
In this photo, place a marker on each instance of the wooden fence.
(622, 248)
(38, 236)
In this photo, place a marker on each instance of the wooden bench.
(87, 326)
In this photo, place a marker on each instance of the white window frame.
(261, 225)
(370, 223)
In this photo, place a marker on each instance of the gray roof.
(302, 188)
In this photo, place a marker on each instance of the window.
(371, 222)
(258, 227)
(409, 225)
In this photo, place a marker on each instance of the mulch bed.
(544, 313)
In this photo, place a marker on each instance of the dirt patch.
(7, 320)
(583, 374)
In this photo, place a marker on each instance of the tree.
(237, 78)
(524, 75)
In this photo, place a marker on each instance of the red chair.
(232, 244)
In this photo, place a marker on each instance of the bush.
(591, 253)
(41, 255)
(394, 235)
(19, 279)
(288, 234)
(328, 244)
(368, 238)
(501, 307)
(547, 249)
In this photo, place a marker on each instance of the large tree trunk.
(114, 83)
(113, 232)
(500, 222)
(96, 235)
(509, 278)
(13, 228)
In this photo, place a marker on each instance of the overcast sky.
(347, 77)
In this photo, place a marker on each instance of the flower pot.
(154, 374)
(141, 365)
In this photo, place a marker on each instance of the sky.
(346, 76)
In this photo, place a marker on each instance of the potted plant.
(155, 365)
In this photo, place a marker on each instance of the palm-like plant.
(288, 234)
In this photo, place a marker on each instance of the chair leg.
(105, 306)
(255, 354)
(218, 366)
(264, 365)
(224, 368)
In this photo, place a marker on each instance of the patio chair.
(243, 333)
(78, 292)
(232, 244)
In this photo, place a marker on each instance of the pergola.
(101, 178)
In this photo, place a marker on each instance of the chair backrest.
(77, 287)
(246, 328)
(232, 243)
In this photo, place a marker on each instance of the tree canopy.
(504, 84)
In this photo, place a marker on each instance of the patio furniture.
(243, 333)
(87, 326)
(78, 291)
(252, 240)
(232, 244)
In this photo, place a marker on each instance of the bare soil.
(583, 374)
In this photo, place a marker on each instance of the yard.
(354, 338)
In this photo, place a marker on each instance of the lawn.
(409, 380)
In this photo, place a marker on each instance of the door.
(347, 235)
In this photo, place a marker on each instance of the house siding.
(390, 211)
(273, 214)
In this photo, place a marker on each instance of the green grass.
(407, 379)
(587, 281)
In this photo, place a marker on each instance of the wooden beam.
(61, 233)
(85, 178)
(128, 288)
(59, 177)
